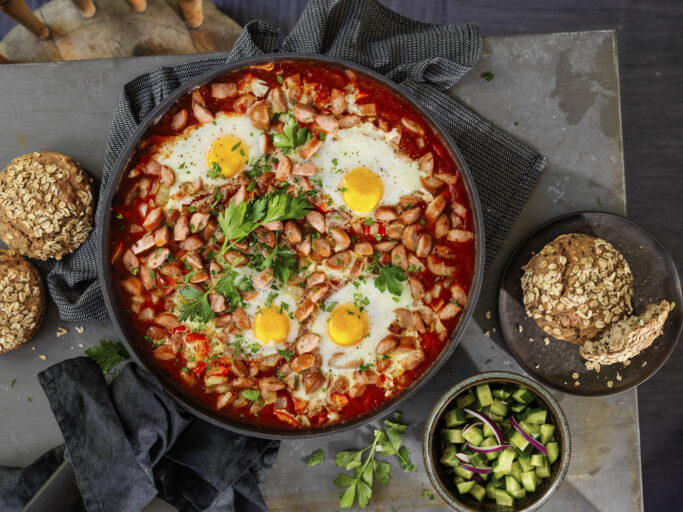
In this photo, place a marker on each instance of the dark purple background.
(650, 39)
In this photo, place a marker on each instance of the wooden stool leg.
(20, 12)
(138, 5)
(192, 11)
(86, 7)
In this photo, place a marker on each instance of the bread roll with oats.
(22, 301)
(46, 205)
(576, 287)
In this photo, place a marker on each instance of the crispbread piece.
(576, 287)
(22, 301)
(46, 205)
(628, 337)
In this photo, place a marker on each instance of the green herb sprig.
(108, 354)
(390, 278)
(292, 135)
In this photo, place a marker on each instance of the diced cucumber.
(498, 408)
(511, 484)
(484, 395)
(452, 435)
(457, 479)
(448, 458)
(473, 435)
(518, 494)
(518, 407)
(491, 490)
(503, 463)
(465, 487)
(500, 393)
(536, 416)
(478, 460)
(537, 459)
(504, 499)
(528, 479)
(465, 400)
(530, 428)
(455, 417)
(516, 470)
(525, 462)
(523, 396)
(518, 440)
(478, 492)
(488, 432)
(495, 417)
(553, 451)
(490, 441)
(547, 432)
(465, 473)
(544, 471)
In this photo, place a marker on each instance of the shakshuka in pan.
(293, 245)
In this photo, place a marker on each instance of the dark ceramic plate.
(654, 278)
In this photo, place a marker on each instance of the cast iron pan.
(125, 330)
(654, 278)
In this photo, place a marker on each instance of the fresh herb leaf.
(488, 76)
(428, 495)
(285, 353)
(390, 278)
(283, 261)
(365, 367)
(317, 457)
(214, 170)
(292, 135)
(251, 394)
(368, 221)
(108, 354)
(279, 78)
(11, 383)
(197, 306)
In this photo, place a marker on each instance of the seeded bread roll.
(22, 301)
(577, 287)
(46, 205)
(628, 337)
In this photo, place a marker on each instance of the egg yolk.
(230, 153)
(347, 325)
(271, 324)
(362, 189)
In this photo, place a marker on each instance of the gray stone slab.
(558, 92)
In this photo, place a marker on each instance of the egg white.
(186, 153)
(365, 145)
(379, 309)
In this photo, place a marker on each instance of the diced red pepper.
(339, 399)
(216, 369)
(286, 417)
(192, 337)
(179, 329)
(199, 368)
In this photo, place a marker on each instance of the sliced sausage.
(307, 342)
(337, 102)
(181, 230)
(348, 121)
(341, 239)
(258, 115)
(449, 311)
(310, 148)
(363, 248)
(317, 220)
(144, 244)
(424, 246)
(327, 123)
(459, 235)
(410, 216)
(179, 120)
(222, 90)
(130, 260)
(304, 113)
(436, 207)
(158, 257)
(411, 237)
(417, 289)
(399, 257)
(304, 169)
(202, 114)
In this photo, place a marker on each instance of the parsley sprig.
(390, 278)
(197, 305)
(359, 485)
(292, 135)
(108, 354)
(239, 220)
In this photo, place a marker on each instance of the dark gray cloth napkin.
(129, 441)
(424, 59)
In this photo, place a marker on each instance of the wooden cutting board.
(117, 31)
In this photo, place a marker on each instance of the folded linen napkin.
(425, 59)
(130, 441)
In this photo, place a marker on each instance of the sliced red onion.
(491, 424)
(471, 425)
(462, 457)
(488, 449)
(481, 471)
(526, 436)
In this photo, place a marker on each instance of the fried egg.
(359, 169)
(355, 319)
(229, 143)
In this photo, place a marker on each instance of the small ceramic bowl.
(443, 481)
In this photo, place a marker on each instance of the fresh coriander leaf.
(348, 496)
(283, 262)
(382, 472)
(428, 495)
(29, 399)
(279, 78)
(363, 493)
(349, 460)
(317, 457)
(108, 354)
(214, 170)
(368, 221)
(251, 394)
(12, 382)
(365, 367)
(342, 480)
(404, 459)
(390, 278)
(292, 135)
(134, 271)
(398, 416)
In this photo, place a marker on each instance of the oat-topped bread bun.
(628, 337)
(22, 300)
(576, 287)
(46, 205)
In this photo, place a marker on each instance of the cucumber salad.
(499, 443)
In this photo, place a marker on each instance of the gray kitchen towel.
(424, 59)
